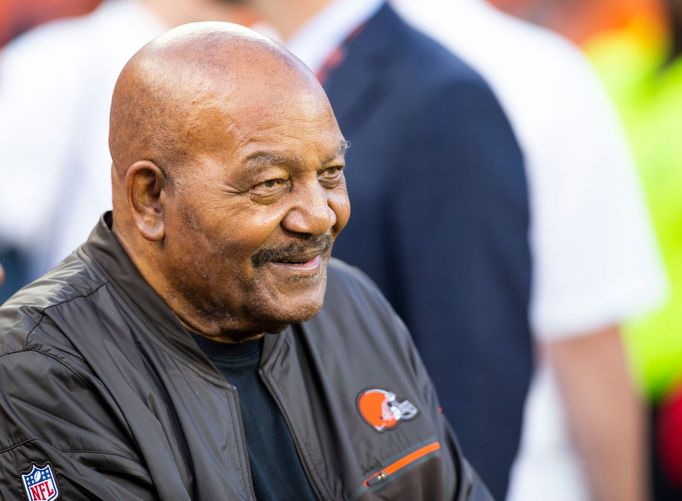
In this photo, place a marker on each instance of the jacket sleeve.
(51, 415)
(460, 216)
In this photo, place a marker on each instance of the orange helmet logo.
(382, 411)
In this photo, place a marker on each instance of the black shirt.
(276, 469)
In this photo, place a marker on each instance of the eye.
(275, 182)
(332, 171)
(331, 176)
(270, 189)
(271, 183)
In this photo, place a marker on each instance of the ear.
(145, 184)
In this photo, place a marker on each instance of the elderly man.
(441, 209)
(228, 194)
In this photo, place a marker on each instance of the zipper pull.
(379, 477)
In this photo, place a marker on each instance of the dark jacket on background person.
(100, 381)
(440, 223)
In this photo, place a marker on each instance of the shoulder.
(348, 285)
(532, 47)
(59, 411)
(547, 87)
(354, 305)
(478, 32)
(555, 73)
(25, 316)
(423, 62)
(39, 363)
(528, 62)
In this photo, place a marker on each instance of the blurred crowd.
(544, 290)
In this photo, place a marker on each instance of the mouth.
(303, 256)
(310, 264)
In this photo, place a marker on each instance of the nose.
(311, 212)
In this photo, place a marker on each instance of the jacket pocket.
(398, 467)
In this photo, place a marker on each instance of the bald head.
(227, 179)
(180, 94)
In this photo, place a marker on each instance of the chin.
(298, 313)
(308, 311)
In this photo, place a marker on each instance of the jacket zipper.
(294, 436)
(242, 436)
(401, 463)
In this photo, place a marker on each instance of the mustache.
(312, 245)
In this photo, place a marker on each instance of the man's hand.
(605, 414)
(2, 274)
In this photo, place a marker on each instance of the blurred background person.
(594, 255)
(18, 16)
(642, 67)
(440, 209)
(637, 54)
(55, 86)
(641, 64)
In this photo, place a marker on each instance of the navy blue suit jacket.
(440, 222)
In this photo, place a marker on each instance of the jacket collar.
(121, 272)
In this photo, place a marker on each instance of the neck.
(197, 312)
(223, 337)
(288, 17)
(211, 323)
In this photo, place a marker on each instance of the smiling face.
(249, 229)
(228, 179)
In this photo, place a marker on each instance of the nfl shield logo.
(40, 484)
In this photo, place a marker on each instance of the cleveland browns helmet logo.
(382, 411)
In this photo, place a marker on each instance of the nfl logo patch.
(40, 484)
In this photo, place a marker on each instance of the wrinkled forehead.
(283, 109)
(232, 99)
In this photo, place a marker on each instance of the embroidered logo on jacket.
(40, 484)
(382, 411)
